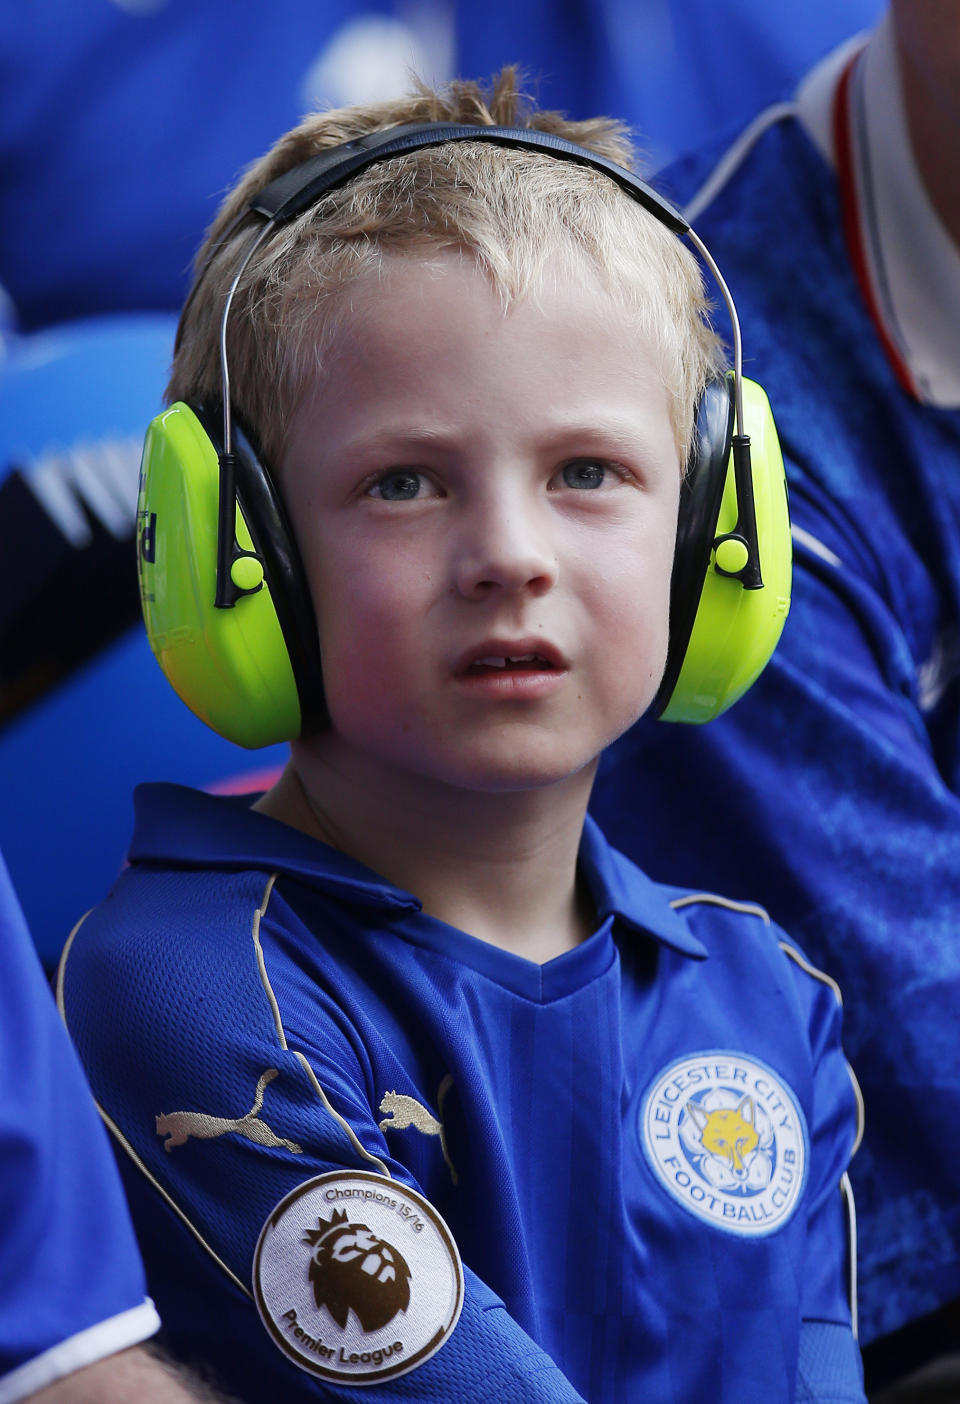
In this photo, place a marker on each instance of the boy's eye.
(585, 473)
(400, 486)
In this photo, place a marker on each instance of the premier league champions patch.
(357, 1278)
(727, 1139)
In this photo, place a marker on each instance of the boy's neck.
(502, 867)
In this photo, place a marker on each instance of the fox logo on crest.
(729, 1140)
(729, 1133)
(351, 1269)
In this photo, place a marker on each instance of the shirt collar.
(817, 93)
(621, 890)
(184, 827)
(907, 263)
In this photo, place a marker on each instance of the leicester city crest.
(726, 1138)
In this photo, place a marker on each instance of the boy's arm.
(218, 1125)
(132, 1374)
(215, 1327)
(211, 1314)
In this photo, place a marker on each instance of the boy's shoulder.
(206, 864)
(736, 939)
(178, 944)
(170, 987)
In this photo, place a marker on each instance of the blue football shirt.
(637, 1147)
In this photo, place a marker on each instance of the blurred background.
(122, 123)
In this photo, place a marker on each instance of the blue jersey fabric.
(234, 946)
(832, 791)
(72, 1287)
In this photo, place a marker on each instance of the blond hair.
(523, 216)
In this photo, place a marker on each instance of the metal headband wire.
(252, 247)
(725, 293)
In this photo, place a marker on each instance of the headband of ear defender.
(225, 598)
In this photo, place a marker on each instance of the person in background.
(832, 791)
(74, 1313)
(81, 236)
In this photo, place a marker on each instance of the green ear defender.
(722, 631)
(251, 672)
(225, 598)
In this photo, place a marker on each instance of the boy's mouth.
(524, 662)
(503, 656)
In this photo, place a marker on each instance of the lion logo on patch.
(351, 1269)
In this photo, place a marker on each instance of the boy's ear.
(250, 671)
(723, 631)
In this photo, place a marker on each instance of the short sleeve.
(222, 1111)
(72, 1287)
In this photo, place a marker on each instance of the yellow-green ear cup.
(735, 630)
(701, 493)
(230, 666)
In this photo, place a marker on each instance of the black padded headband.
(298, 188)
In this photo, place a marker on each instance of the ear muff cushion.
(701, 493)
(230, 666)
(725, 634)
(275, 542)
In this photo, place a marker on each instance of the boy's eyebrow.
(612, 437)
(400, 438)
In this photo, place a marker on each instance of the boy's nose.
(504, 551)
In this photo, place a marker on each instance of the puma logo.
(730, 1133)
(403, 1112)
(406, 1111)
(179, 1126)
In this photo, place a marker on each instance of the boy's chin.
(509, 764)
(514, 775)
(518, 775)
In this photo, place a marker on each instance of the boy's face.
(471, 486)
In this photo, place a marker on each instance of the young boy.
(422, 1087)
